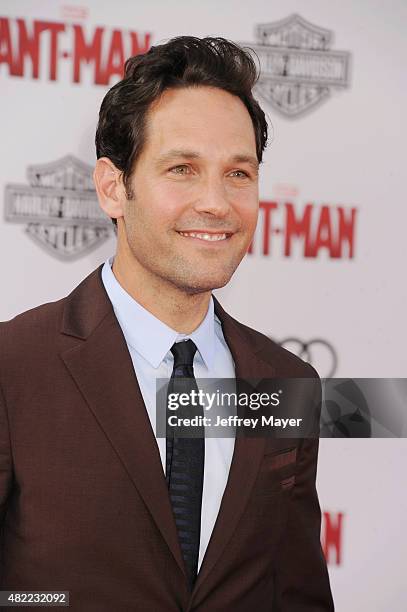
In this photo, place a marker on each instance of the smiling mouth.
(206, 236)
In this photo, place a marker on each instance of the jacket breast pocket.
(277, 472)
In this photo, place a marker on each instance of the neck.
(181, 311)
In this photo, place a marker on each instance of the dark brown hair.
(183, 61)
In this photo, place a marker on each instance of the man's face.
(196, 174)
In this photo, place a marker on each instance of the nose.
(213, 198)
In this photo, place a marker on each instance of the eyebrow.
(186, 154)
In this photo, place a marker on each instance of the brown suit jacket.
(83, 500)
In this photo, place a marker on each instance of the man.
(88, 502)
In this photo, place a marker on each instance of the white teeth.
(210, 237)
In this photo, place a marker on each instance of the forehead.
(206, 116)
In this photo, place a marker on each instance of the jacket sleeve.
(5, 461)
(301, 577)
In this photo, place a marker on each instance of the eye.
(180, 167)
(241, 172)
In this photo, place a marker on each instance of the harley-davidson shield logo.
(59, 208)
(298, 70)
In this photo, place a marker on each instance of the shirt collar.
(145, 333)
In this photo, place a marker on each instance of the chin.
(201, 285)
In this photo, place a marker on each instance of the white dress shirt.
(149, 341)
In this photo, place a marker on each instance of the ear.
(109, 188)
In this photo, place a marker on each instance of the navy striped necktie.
(185, 459)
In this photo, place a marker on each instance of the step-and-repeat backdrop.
(325, 276)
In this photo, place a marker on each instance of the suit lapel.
(103, 371)
(248, 452)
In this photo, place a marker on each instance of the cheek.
(248, 210)
(165, 202)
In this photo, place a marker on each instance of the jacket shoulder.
(30, 335)
(42, 317)
(284, 361)
(47, 318)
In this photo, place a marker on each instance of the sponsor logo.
(298, 69)
(346, 412)
(364, 408)
(283, 228)
(332, 537)
(318, 352)
(59, 208)
(47, 49)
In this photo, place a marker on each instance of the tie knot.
(183, 352)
